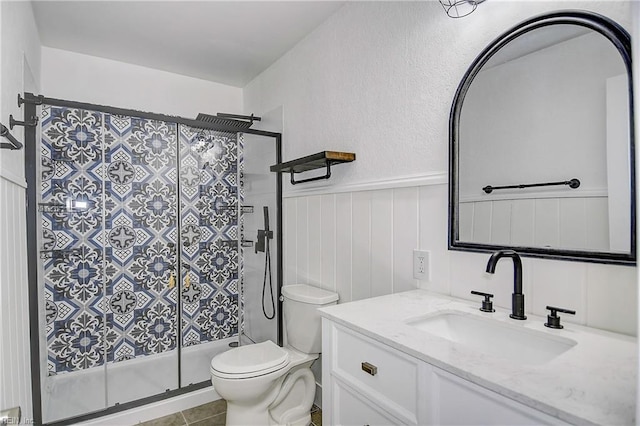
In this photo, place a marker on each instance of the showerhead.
(238, 122)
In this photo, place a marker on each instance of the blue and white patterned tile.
(218, 317)
(125, 237)
(154, 330)
(80, 343)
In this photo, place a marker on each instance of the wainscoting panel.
(573, 223)
(366, 241)
(15, 370)
(359, 244)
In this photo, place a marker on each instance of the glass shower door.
(209, 206)
(108, 251)
(141, 258)
(71, 262)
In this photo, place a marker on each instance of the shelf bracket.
(325, 176)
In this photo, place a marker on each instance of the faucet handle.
(553, 320)
(487, 304)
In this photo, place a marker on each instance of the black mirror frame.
(622, 41)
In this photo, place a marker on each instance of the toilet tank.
(301, 317)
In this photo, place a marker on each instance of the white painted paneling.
(597, 213)
(433, 217)
(381, 242)
(15, 370)
(482, 221)
(612, 298)
(501, 222)
(361, 245)
(547, 215)
(290, 249)
(314, 245)
(344, 240)
(465, 221)
(328, 242)
(376, 231)
(522, 222)
(563, 285)
(405, 237)
(573, 223)
(302, 238)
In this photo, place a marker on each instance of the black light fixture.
(459, 8)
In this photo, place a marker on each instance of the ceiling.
(228, 42)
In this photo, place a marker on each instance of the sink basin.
(495, 338)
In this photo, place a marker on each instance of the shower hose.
(267, 272)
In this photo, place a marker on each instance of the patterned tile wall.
(209, 224)
(110, 232)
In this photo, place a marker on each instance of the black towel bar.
(573, 184)
(15, 144)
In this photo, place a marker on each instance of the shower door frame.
(32, 156)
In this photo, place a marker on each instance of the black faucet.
(517, 298)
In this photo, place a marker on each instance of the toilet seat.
(250, 361)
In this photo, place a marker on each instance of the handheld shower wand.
(262, 245)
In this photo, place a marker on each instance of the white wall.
(378, 79)
(84, 78)
(19, 72)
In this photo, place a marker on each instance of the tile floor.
(211, 414)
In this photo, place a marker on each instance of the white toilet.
(265, 384)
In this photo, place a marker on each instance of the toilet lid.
(256, 358)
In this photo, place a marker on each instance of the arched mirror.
(541, 143)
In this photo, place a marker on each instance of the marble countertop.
(594, 382)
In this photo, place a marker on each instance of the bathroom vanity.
(422, 358)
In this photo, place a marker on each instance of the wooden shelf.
(311, 162)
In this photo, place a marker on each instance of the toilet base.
(281, 397)
(291, 406)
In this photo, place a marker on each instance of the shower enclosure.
(138, 235)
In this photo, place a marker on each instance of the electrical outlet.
(421, 265)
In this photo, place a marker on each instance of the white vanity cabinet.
(366, 382)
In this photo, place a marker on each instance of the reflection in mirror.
(549, 107)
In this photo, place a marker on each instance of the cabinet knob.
(369, 368)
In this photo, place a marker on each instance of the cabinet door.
(351, 409)
(456, 401)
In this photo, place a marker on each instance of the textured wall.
(378, 79)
